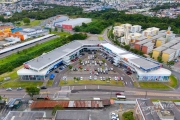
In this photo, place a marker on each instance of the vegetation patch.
(23, 84)
(80, 82)
(128, 115)
(100, 38)
(153, 85)
(49, 83)
(61, 34)
(173, 81)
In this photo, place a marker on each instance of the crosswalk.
(63, 93)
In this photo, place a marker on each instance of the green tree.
(170, 63)
(128, 115)
(57, 107)
(127, 47)
(159, 58)
(55, 29)
(50, 30)
(103, 60)
(26, 20)
(0, 98)
(31, 91)
(70, 67)
(80, 61)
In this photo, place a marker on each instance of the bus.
(121, 97)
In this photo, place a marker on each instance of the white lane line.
(24, 95)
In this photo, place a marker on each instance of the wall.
(165, 57)
(158, 43)
(144, 49)
(137, 46)
(67, 27)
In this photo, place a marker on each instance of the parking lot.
(94, 66)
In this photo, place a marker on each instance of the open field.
(86, 82)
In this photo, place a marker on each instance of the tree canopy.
(31, 91)
(26, 20)
(128, 115)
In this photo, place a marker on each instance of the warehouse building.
(147, 48)
(160, 41)
(69, 25)
(168, 55)
(158, 52)
(177, 49)
(40, 67)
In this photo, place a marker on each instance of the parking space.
(96, 66)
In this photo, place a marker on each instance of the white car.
(90, 77)
(101, 78)
(81, 78)
(9, 89)
(115, 78)
(95, 77)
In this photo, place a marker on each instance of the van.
(121, 78)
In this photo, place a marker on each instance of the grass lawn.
(100, 38)
(23, 84)
(49, 83)
(81, 82)
(157, 100)
(173, 81)
(61, 33)
(13, 75)
(153, 85)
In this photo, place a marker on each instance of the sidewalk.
(134, 79)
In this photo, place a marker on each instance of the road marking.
(85, 86)
(24, 95)
(98, 86)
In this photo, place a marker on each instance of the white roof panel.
(158, 72)
(129, 56)
(113, 48)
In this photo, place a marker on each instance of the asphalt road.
(25, 47)
(90, 91)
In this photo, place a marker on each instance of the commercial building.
(168, 55)
(22, 115)
(147, 48)
(40, 67)
(162, 110)
(70, 24)
(158, 52)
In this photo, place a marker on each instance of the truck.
(51, 77)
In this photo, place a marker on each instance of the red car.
(118, 93)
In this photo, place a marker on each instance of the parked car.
(90, 77)
(43, 87)
(81, 78)
(9, 89)
(19, 88)
(118, 93)
(95, 77)
(56, 71)
(101, 78)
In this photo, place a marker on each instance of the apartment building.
(147, 48)
(158, 52)
(168, 55)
